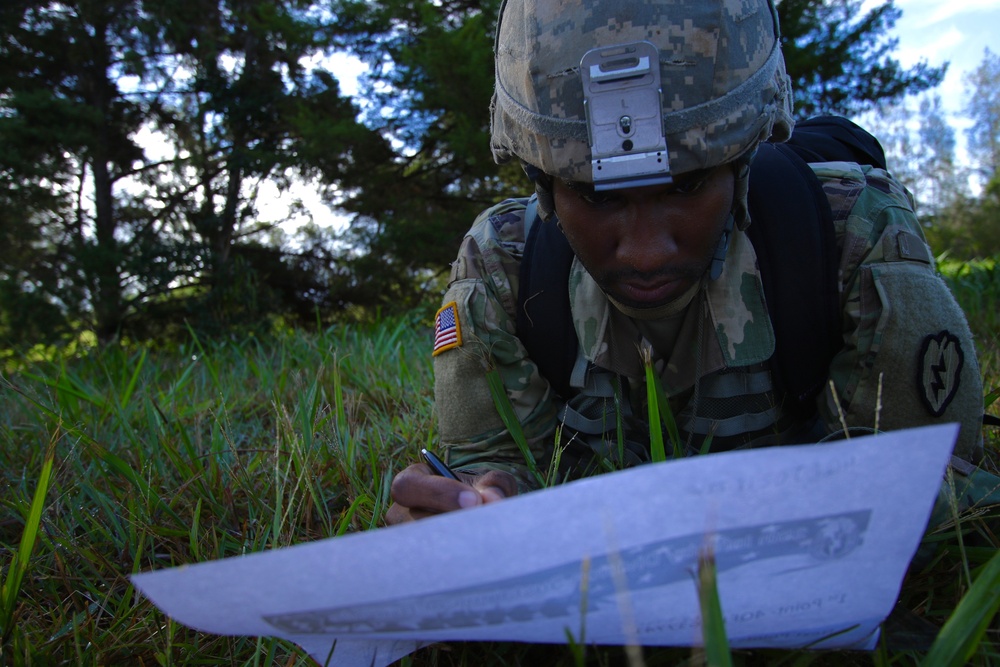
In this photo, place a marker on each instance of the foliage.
(184, 454)
(840, 57)
(65, 123)
(442, 174)
(969, 227)
(942, 179)
(976, 285)
(983, 107)
(103, 228)
(173, 455)
(958, 221)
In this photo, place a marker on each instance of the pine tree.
(983, 107)
(840, 58)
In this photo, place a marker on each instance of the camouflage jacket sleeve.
(482, 295)
(908, 357)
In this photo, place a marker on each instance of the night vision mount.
(623, 101)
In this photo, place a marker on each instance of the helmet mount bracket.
(623, 101)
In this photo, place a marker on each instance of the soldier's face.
(647, 246)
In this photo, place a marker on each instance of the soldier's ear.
(543, 188)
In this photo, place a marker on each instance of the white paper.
(810, 541)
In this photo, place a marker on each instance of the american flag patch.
(447, 330)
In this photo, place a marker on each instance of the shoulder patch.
(447, 329)
(939, 369)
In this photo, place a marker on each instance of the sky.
(938, 31)
(953, 31)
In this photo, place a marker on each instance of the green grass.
(164, 456)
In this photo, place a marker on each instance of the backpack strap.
(544, 320)
(835, 139)
(792, 233)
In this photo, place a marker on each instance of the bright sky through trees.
(954, 31)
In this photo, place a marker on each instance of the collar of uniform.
(737, 330)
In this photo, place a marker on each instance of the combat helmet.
(625, 93)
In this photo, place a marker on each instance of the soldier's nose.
(646, 242)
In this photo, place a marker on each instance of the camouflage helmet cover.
(723, 78)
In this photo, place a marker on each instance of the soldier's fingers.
(417, 488)
(397, 514)
(495, 485)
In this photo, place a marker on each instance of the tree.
(941, 180)
(441, 175)
(68, 128)
(250, 109)
(429, 88)
(839, 58)
(969, 226)
(983, 107)
(107, 234)
(891, 124)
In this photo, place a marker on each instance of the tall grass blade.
(964, 630)
(660, 414)
(19, 561)
(133, 381)
(619, 424)
(509, 418)
(713, 624)
(991, 398)
(206, 360)
(656, 449)
(578, 646)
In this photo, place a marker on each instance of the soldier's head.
(637, 120)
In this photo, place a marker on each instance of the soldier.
(638, 123)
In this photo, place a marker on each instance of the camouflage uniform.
(902, 330)
(722, 90)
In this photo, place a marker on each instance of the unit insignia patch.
(939, 369)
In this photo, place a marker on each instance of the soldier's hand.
(418, 493)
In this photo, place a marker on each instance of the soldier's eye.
(688, 184)
(587, 193)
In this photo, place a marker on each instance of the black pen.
(438, 466)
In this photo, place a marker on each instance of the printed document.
(811, 544)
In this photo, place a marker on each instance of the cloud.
(925, 13)
(909, 53)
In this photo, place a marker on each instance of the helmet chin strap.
(741, 174)
(719, 258)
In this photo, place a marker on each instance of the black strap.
(835, 139)
(544, 320)
(792, 233)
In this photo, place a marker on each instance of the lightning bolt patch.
(939, 370)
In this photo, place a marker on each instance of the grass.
(139, 458)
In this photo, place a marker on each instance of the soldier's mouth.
(650, 293)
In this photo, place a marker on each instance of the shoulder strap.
(835, 139)
(544, 319)
(792, 233)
